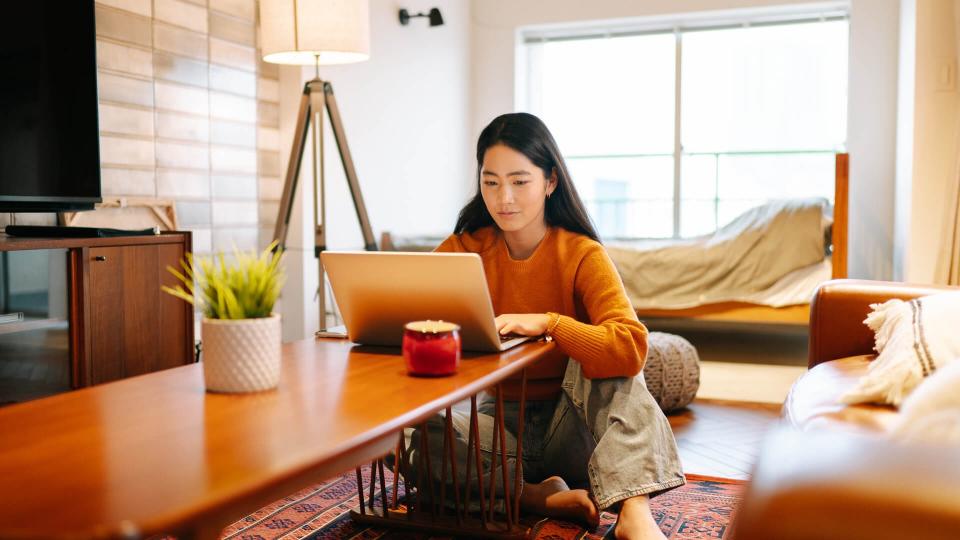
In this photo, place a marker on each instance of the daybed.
(783, 301)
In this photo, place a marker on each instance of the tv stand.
(120, 323)
(57, 231)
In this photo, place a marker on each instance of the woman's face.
(514, 189)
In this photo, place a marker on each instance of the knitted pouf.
(672, 370)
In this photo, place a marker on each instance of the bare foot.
(553, 498)
(636, 522)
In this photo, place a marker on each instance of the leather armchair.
(838, 309)
(830, 472)
(830, 485)
(840, 349)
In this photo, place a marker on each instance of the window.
(762, 109)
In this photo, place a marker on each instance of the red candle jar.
(431, 348)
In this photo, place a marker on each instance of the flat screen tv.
(49, 137)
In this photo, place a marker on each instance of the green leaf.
(247, 287)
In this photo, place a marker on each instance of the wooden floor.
(722, 438)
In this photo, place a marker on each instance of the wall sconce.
(435, 18)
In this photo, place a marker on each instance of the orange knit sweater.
(572, 275)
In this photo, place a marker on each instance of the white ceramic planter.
(241, 355)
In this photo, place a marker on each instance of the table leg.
(475, 426)
(396, 467)
(484, 524)
(425, 449)
(443, 461)
(383, 488)
(453, 466)
(519, 471)
(493, 461)
(498, 424)
(373, 485)
(360, 490)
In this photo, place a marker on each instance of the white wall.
(871, 136)
(872, 86)
(927, 135)
(406, 117)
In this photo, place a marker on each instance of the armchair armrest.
(837, 485)
(838, 309)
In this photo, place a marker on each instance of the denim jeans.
(605, 435)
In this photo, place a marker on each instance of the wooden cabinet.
(120, 323)
(129, 326)
(134, 327)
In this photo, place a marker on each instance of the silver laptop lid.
(379, 292)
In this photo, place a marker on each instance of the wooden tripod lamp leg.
(317, 97)
(319, 201)
(292, 176)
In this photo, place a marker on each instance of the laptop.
(379, 292)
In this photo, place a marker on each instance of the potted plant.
(240, 332)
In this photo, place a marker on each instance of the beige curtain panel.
(948, 263)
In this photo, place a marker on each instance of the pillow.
(931, 414)
(913, 339)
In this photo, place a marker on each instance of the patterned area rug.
(700, 509)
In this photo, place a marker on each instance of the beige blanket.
(746, 256)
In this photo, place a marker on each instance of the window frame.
(678, 27)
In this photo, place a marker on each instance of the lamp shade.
(301, 32)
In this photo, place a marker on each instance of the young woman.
(590, 421)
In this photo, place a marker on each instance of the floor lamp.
(305, 32)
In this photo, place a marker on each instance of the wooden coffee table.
(157, 454)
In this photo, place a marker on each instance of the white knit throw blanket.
(913, 339)
(931, 414)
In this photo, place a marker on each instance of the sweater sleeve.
(614, 344)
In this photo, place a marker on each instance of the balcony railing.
(763, 175)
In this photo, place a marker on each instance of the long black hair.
(528, 135)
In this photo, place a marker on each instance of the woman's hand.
(523, 324)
